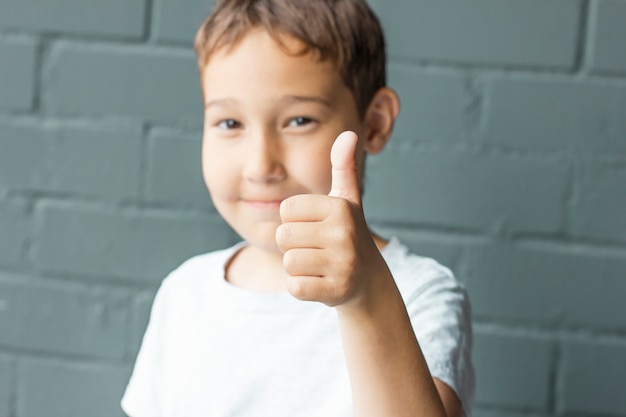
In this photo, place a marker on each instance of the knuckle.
(282, 234)
(294, 201)
(290, 262)
(343, 234)
(296, 288)
(342, 207)
(286, 207)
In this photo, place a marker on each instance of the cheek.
(219, 174)
(312, 169)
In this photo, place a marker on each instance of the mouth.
(263, 204)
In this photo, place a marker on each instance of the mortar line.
(147, 21)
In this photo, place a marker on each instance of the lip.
(264, 204)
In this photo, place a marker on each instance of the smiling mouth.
(264, 204)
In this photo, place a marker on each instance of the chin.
(263, 238)
(269, 247)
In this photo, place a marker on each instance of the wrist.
(380, 294)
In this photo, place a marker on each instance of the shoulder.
(190, 280)
(199, 268)
(439, 309)
(170, 344)
(418, 275)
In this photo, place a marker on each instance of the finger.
(345, 178)
(307, 288)
(313, 288)
(301, 235)
(305, 262)
(305, 208)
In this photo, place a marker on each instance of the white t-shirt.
(215, 350)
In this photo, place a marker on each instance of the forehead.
(258, 62)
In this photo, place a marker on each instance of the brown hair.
(345, 31)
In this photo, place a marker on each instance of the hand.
(328, 251)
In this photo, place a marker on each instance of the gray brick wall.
(508, 164)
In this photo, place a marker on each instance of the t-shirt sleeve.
(440, 315)
(143, 394)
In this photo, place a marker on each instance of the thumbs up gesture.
(328, 250)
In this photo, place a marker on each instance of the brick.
(432, 106)
(6, 372)
(57, 389)
(488, 32)
(179, 21)
(598, 211)
(547, 285)
(501, 412)
(54, 318)
(557, 115)
(144, 246)
(464, 190)
(593, 380)
(98, 160)
(443, 248)
(118, 18)
(608, 53)
(14, 231)
(175, 170)
(150, 84)
(17, 74)
(512, 371)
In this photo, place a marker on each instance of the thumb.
(345, 178)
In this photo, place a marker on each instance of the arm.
(331, 257)
(388, 373)
(450, 400)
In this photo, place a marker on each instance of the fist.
(328, 251)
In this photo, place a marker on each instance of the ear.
(379, 119)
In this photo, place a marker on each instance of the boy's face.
(270, 121)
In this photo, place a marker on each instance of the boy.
(231, 332)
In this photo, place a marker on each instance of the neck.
(260, 270)
(257, 270)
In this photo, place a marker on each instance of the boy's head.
(280, 80)
(345, 32)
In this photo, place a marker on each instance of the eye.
(229, 124)
(300, 121)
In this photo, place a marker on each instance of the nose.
(264, 159)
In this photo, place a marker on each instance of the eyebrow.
(220, 102)
(291, 99)
(305, 99)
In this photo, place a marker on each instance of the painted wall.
(508, 165)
